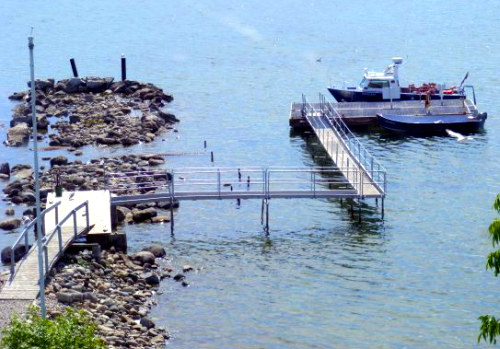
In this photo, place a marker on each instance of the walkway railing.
(25, 236)
(58, 229)
(373, 169)
(245, 183)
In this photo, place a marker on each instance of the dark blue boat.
(432, 124)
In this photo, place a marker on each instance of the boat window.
(378, 83)
(363, 82)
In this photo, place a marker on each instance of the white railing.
(371, 166)
(25, 236)
(58, 229)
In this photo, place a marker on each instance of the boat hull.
(431, 124)
(342, 95)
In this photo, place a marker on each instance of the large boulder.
(95, 84)
(157, 250)
(19, 253)
(143, 215)
(144, 257)
(5, 168)
(152, 122)
(42, 84)
(18, 135)
(10, 224)
(58, 160)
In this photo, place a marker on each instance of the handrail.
(24, 234)
(47, 238)
(351, 143)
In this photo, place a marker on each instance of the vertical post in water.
(73, 67)
(41, 277)
(267, 216)
(124, 68)
(171, 215)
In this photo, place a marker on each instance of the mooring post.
(205, 144)
(171, 215)
(359, 211)
(262, 212)
(73, 67)
(382, 208)
(124, 68)
(267, 216)
(211, 156)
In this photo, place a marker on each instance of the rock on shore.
(116, 292)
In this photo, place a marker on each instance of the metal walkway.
(358, 166)
(24, 279)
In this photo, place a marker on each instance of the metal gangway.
(210, 183)
(57, 233)
(345, 149)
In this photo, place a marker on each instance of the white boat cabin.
(386, 82)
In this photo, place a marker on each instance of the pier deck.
(74, 213)
(364, 113)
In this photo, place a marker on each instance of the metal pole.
(41, 277)
(124, 68)
(73, 67)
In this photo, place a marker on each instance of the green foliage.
(72, 330)
(494, 230)
(490, 329)
(490, 326)
(493, 262)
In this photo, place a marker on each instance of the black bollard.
(73, 66)
(124, 68)
(212, 156)
(205, 144)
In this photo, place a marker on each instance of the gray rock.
(95, 84)
(17, 96)
(144, 257)
(10, 224)
(9, 212)
(18, 135)
(151, 279)
(73, 85)
(147, 322)
(179, 277)
(58, 160)
(5, 168)
(143, 215)
(121, 213)
(157, 250)
(19, 253)
(69, 297)
(42, 84)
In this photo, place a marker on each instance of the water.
(321, 280)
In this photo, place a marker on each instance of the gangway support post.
(171, 215)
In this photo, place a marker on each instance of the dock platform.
(363, 114)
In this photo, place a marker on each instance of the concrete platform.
(99, 209)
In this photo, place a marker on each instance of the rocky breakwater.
(91, 111)
(116, 290)
(77, 175)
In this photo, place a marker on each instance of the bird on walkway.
(460, 137)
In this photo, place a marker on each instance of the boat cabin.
(386, 82)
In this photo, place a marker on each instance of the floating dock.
(363, 114)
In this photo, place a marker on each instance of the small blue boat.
(432, 124)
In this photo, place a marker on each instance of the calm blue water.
(321, 280)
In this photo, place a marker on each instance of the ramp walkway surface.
(65, 218)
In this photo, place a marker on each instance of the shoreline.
(116, 290)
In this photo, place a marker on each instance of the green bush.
(71, 330)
